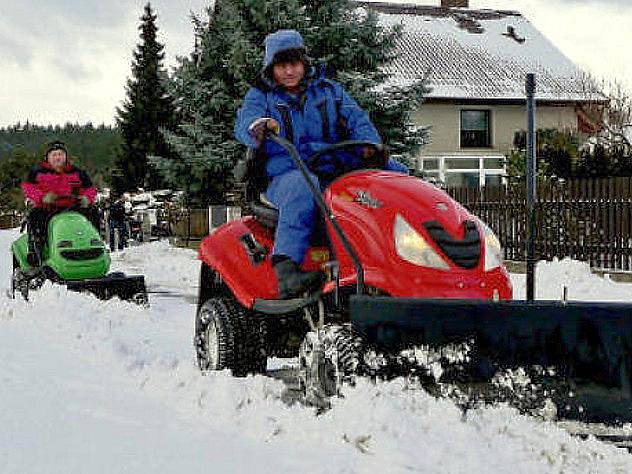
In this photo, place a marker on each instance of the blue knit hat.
(281, 40)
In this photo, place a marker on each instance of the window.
(475, 130)
(431, 164)
(462, 163)
(494, 163)
(464, 170)
(460, 179)
(493, 180)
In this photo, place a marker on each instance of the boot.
(293, 282)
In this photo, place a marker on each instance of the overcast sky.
(67, 60)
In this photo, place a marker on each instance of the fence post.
(531, 186)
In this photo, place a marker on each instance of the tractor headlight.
(96, 243)
(64, 244)
(412, 247)
(493, 249)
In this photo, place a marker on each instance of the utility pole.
(531, 186)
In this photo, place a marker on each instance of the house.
(475, 62)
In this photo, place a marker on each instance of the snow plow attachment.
(588, 346)
(127, 288)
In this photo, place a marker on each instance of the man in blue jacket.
(312, 112)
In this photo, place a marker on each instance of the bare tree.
(608, 112)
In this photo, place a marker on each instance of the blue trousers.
(291, 195)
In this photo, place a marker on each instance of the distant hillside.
(93, 148)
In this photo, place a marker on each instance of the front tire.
(227, 336)
(329, 358)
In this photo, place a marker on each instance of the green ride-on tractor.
(74, 255)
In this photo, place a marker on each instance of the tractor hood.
(413, 238)
(74, 228)
(76, 250)
(415, 200)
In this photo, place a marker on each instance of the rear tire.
(227, 336)
(329, 358)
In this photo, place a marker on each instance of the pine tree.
(146, 110)
(210, 84)
(356, 50)
(13, 170)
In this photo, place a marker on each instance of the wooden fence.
(191, 225)
(188, 224)
(585, 219)
(9, 221)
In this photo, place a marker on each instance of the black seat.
(251, 173)
(268, 216)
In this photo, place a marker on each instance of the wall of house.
(505, 121)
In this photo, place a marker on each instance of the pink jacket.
(43, 179)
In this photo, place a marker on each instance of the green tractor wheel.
(19, 281)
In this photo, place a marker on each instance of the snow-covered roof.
(478, 54)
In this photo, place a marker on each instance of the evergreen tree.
(13, 170)
(595, 162)
(210, 84)
(146, 109)
(356, 51)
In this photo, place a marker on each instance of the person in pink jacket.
(52, 186)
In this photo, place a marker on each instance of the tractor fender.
(226, 252)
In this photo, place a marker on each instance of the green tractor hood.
(76, 250)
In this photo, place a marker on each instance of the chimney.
(455, 3)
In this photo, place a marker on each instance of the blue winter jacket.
(322, 115)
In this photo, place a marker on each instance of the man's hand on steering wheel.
(261, 126)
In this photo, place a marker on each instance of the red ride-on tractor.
(388, 234)
(406, 265)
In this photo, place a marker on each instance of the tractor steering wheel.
(75, 206)
(314, 161)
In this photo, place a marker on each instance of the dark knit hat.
(56, 145)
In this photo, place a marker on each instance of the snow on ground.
(92, 386)
(170, 268)
(552, 277)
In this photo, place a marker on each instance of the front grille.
(87, 254)
(466, 252)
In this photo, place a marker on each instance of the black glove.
(375, 156)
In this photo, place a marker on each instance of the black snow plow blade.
(128, 288)
(589, 345)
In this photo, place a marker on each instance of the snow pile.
(166, 267)
(582, 285)
(92, 386)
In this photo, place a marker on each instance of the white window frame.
(482, 171)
